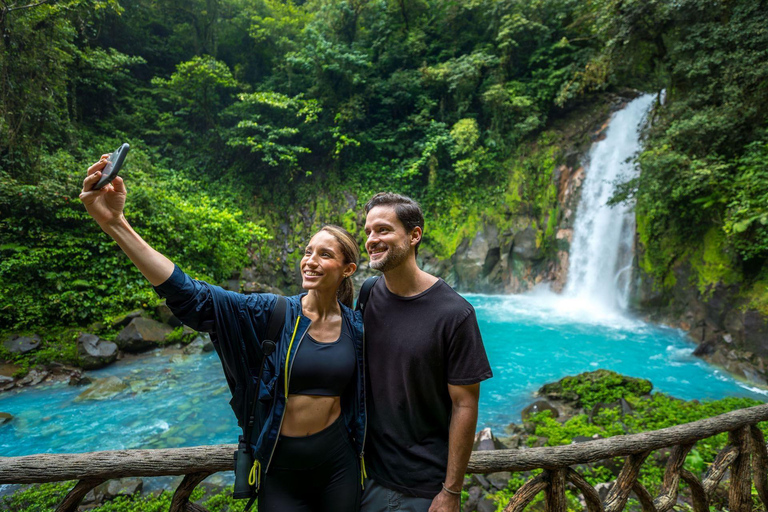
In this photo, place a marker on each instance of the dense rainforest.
(252, 121)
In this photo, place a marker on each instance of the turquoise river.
(175, 400)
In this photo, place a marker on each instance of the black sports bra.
(323, 369)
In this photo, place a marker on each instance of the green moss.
(712, 263)
(599, 386)
(657, 265)
(757, 295)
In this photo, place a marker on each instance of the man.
(425, 363)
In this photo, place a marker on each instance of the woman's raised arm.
(106, 207)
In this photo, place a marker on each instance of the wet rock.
(33, 378)
(200, 344)
(127, 318)
(21, 344)
(95, 352)
(77, 378)
(102, 389)
(142, 334)
(166, 315)
(5, 417)
(705, 349)
(5, 381)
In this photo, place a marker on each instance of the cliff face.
(730, 332)
(514, 255)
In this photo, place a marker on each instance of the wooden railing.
(746, 444)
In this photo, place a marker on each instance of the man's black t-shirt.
(415, 347)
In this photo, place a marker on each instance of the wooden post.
(699, 497)
(760, 464)
(739, 492)
(76, 495)
(619, 494)
(591, 498)
(180, 499)
(526, 493)
(556, 501)
(671, 482)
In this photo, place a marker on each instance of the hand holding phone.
(114, 163)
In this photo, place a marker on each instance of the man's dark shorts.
(377, 498)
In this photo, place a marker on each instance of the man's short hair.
(407, 210)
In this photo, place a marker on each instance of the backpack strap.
(276, 319)
(365, 291)
(274, 326)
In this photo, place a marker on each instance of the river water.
(174, 400)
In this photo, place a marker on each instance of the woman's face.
(322, 266)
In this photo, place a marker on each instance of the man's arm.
(461, 437)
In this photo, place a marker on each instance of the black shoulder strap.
(275, 325)
(277, 319)
(365, 291)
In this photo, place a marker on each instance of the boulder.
(475, 493)
(525, 246)
(33, 378)
(102, 389)
(486, 505)
(199, 345)
(499, 480)
(485, 441)
(166, 315)
(77, 378)
(539, 406)
(142, 334)
(95, 352)
(126, 319)
(621, 405)
(5, 418)
(21, 344)
(112, 489)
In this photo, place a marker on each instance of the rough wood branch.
(618, 446)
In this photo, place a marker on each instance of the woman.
(310, 430)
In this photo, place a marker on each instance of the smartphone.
(114, 163)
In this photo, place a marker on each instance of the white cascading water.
(600, 261)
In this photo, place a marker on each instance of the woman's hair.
(351, 253)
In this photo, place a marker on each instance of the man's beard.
(396, 255)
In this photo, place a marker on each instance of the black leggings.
(316, 473)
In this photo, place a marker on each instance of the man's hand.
(445, 502)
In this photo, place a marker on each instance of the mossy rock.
(600, 386)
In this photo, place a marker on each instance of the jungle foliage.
(262, 110)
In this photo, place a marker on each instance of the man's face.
(388, 243)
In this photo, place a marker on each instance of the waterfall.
(600, 261)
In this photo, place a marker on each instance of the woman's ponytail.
(351, 252)
(346, 292)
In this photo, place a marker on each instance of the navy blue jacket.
(238, 325)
